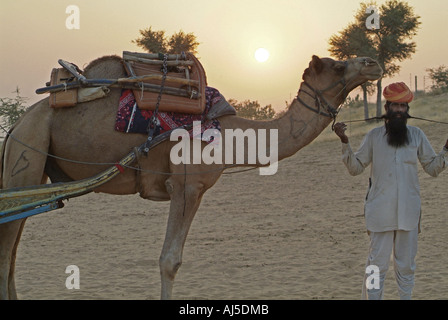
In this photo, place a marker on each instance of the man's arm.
(432, 163)
(355, 163)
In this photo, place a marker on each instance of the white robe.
(393, 199)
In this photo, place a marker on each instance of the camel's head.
(335, 79)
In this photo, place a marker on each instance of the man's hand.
(339, 129)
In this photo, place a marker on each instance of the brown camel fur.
(86, 133)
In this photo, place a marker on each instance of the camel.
(86, 133)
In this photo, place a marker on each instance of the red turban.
(398, 92)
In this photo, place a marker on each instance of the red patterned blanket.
(131, 119)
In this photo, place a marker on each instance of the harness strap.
(153, 121)
(318, 97)
(330, 111)
(318, 111)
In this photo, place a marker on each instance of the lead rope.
(382, 117)
(153, 120)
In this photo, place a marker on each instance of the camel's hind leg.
(186, 194)
(22, 166)
(9, 239)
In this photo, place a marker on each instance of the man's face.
(398, 107)
(396, 129)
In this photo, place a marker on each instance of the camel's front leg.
(185, 200)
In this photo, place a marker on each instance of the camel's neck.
(296, 128)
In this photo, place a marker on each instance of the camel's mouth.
(373, 75)
(370, 68)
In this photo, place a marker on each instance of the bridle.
(321, 105)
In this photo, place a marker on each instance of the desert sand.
(298, 234)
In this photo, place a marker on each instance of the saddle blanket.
(131, 119)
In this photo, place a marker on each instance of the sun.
(261, 54)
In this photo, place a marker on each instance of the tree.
(390, 42)
(439, 76)
(156, 41)
(183, 42)
(398, 25)
(352, 103)
(151, 41)
(252, 110)
(11, 109)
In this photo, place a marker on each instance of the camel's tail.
(2, 157)
(1, 164)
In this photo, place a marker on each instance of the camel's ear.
(316, 64)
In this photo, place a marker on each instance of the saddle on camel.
(162, 92)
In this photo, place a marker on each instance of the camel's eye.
(339, 68)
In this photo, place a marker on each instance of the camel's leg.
(185, 199)
(22, 166)
(9, 239)
(12, 282)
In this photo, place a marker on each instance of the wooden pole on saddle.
(158, 77)
(157, 58)
(73, 69)
(154, 56)
(157, 62)
(135, 82)
(111, 83)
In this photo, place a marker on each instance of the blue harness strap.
(7, 217)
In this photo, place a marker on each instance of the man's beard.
(396, 129)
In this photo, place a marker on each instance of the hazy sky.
(33, 36)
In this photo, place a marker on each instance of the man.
(392, 205)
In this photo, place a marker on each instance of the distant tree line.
(253, 110)
(439, 77)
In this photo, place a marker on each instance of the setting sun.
(261, 55)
